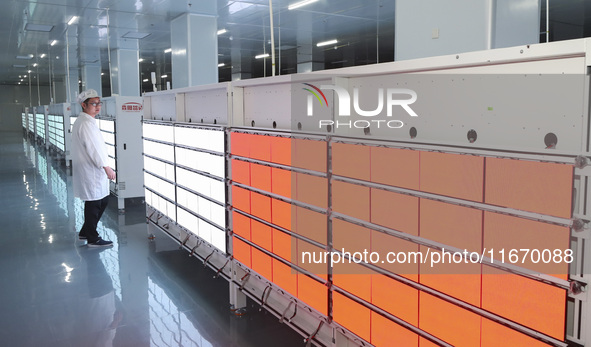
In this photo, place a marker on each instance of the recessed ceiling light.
(35, 65)
(140, 60)
(29, 71)
(42, 55)
(145, 80)
(163, 76)
(135, 35)
(73, 20)
(25, 57)
(168, 50)
(53, 42)
(221, 64)
(326, 43)
(300, 4)
(38, 27)
(222, 31)
(266, 55)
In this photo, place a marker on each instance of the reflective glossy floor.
(55, 291)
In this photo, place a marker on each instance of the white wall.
(463, 26)
(13, 100)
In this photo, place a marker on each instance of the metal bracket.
(265, 297)
(577, 287)
(217, 274)
(207, 259)
(244, 279)
(194, 248)
(149, 218)
(308, 340)
(282, 319)
(185, 241)
(581, 162)
(579, 225)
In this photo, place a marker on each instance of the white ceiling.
(355, 23)
(364, 29)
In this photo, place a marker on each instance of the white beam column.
(195, 47)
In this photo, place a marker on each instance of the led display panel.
(159, 150)
(158, 132)
(107, 125)
(159, 168)
(208, 139)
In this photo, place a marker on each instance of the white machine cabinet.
(120, 122)
(59, 130)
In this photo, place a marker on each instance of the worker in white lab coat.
(90, 171)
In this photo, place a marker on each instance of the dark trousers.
(93, 210)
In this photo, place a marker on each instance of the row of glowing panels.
(24, 120)
(31, 123)
(199, 161)
(461, 281)
(212, 188)
(544, 188)
(348, 192)
(448, 224)
(197, 218)
(438, 317)
(184, 135)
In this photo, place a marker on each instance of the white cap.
(87, 94)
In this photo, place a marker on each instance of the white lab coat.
(89, 156)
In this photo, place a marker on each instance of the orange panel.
(261, 234)
(502, 231)
(351, 161)
(313, 293)
(531, 303)
(262, 264)
(241, 225)
(312, 190)
(261, 206)
(309, 154)
(281, 213)
(260, 147)
(281, 150)
(452, 225)
(350, 199)
(241, 171)
(240, 144)
(386, 333)
(396, 298)
(260, 177)
(282, 182)
(396, 211)
(462, 281)
(241, 199)
(351, 315)
(285, 277)
(350, 237)
(395, 167)
(383, 244)
(282, 244)
(494, 335)
(353, 278)
(448, 322)
(241, 251)
(455, 175)
(311, 224)
(531, 186)
(311, 258)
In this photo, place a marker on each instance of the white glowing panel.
(159, 150)
(218, 239)
(148, 197)
(188, 221)
(159, 186)
(218, 215)
(107, 125)
(205, 230)
(111, 163)
(109, 138)
(201, 161)
(110, 150)
(159, 168)
(158, 132)
(217, 190)
(212, 140)
(72, 120)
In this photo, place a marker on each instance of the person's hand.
(110, 173)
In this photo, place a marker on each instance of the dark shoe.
(100, 243)
(81, 236)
